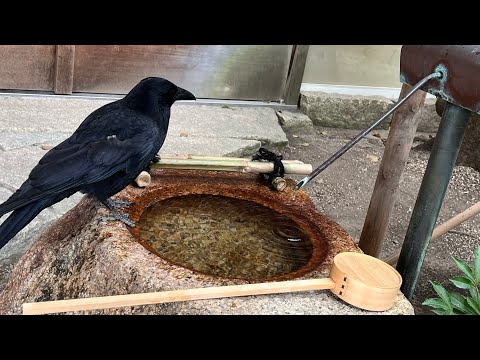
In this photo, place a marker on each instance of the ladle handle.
(105, 302)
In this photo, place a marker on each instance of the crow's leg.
(117, 203)
(110, 205)
(120, 203)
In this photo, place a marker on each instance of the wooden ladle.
(358, 279)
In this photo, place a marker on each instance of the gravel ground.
(343, 193)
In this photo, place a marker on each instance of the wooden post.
(295, 75)
(64, 69)
(397, 148)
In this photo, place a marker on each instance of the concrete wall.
(349, 86)
(357, 65)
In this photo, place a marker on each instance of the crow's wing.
(110, 119)
(74, 163)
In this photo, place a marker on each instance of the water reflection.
(225, 236)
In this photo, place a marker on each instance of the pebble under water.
(225, 236)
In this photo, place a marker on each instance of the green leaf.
(475, 306)
(436, 303)
(462, 282)
(474, 294)
(459, 303)
(471, 311)
(440, 290)
(476, 264)
(439, 311)
(462, 265)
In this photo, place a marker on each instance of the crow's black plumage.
(105, 154)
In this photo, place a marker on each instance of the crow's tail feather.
(20, 218)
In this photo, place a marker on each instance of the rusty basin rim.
(326, 236)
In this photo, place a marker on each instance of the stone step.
(358, 112)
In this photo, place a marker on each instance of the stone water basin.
(194, 229)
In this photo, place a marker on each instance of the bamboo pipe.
(192, 162)
(144, 179)
(443, 228)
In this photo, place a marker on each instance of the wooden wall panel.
(27, 67)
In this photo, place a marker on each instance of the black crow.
(105, 154)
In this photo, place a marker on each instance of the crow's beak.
(183, 94)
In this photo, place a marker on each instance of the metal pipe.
(344, 149)
(430, 196)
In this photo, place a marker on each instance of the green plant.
(453, 303)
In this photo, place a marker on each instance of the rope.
(266, 155)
